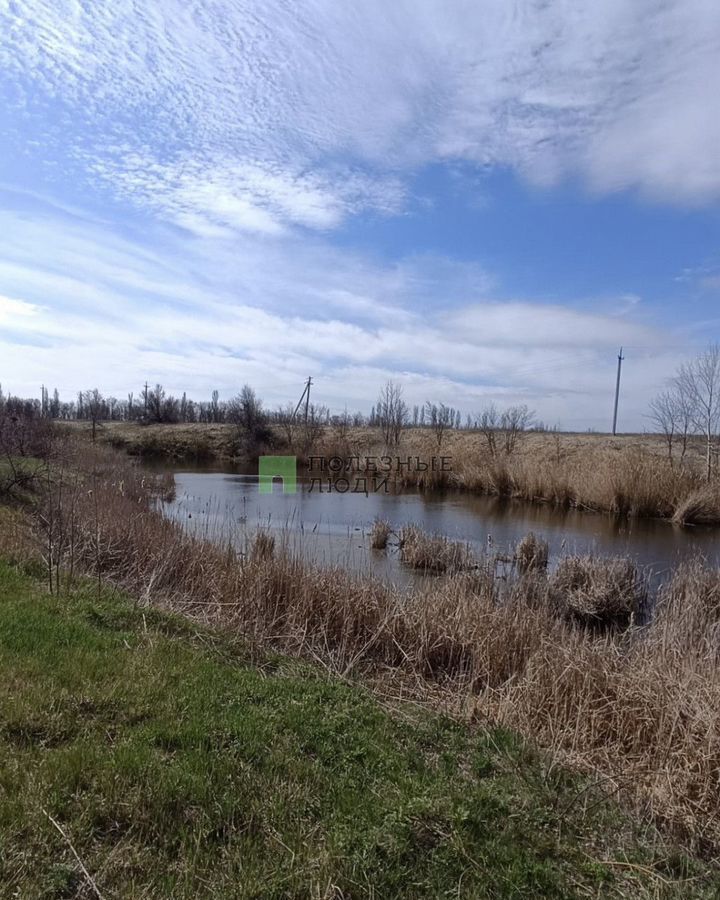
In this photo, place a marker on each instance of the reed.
(531, 554)
(380, 534)
(605, 593)
(432, 553)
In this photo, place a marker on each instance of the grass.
(165, 759)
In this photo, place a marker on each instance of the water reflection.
(332, 528)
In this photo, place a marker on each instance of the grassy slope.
(179, 767)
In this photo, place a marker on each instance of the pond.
(332, 528)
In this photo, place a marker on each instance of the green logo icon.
(284, 467)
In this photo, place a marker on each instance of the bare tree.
(244, 410)
(440, 419)
(507, 426)
(391, 412)
(513, 422)
(488, 422)
(663, 414)
(700, 382)
(215, 404)
(247, 413)
(155, 401)
(93, 403)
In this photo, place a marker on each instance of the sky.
(480, 200)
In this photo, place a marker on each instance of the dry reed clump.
(606, 593)
(531, 554)
(639, 707)
(262, 546)
(380, 534)
(687, 614)
(432, 553)
(701, 507)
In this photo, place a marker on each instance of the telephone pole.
(306, 397)
(617, 391)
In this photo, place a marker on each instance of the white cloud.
(97, 308)
(11, 308)
(233, 114)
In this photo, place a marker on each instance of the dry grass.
(628, 475)
(638, 706)
(531, 554)
(432, 553)
(700, 507)
(380, 534)
(609, 593)
(263, 546)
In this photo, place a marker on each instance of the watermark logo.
(271, 467)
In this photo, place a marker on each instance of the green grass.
(178, 766)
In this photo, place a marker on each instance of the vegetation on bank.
(560, 657)
(143, 756)
(627, 475)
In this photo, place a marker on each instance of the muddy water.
(332, 528)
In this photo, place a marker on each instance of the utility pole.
(145, 397)
(617, 391)
(306, 397)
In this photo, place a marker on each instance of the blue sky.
(482, 201)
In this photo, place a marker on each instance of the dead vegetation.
(627, 475)
(601, 593)
(558, 657)
(380, 534)
(432, 553)
(531, 554)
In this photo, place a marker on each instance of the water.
(333, 528)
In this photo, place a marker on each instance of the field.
(143, 756)
(627, 475)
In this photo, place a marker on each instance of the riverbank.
(637, 707)
(626, 476)
(145, 756)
